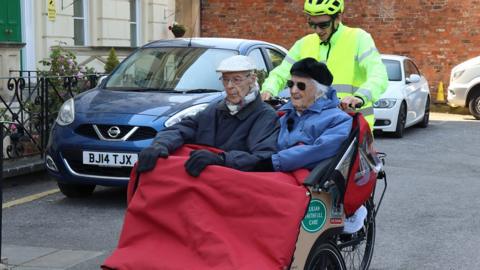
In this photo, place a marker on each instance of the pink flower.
(13, 128)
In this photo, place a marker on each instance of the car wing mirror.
(101, 79)
(414, 78)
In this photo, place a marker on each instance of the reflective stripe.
(289, 59)
(365, 54)
(365, 92)
(344, 88)
(366, 111)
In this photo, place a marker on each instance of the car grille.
(74, 159)
(142, 133)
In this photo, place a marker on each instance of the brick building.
(438, 34)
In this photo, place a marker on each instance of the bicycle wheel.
(325, 256)
(357, 248)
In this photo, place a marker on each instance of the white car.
(464, 88)
(406, 102)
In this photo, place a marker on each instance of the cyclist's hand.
(266, 95)
(350, 103)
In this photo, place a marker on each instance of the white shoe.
(355, 222)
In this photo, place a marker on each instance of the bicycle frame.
(333, 222)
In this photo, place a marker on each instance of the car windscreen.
(170, 69)
(394, 69)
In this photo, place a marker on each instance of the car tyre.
(426, 115)
(76, 190)
(474, 106)
(401, 120)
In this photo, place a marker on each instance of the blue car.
(98, 134)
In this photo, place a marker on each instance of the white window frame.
(137, 23)
(139, 16)
(86, 40)
(28, 35)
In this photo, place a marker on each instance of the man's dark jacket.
(246, 137)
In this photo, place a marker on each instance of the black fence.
(29, 104)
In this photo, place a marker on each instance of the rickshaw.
(310, 235)
(332, 185)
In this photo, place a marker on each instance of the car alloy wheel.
(426, 115)
(401, 121)
(474, 106)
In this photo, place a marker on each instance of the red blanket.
(224, 219)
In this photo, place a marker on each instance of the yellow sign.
(52, 11)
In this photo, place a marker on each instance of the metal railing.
(29, 103)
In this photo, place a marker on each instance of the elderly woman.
(313, 127)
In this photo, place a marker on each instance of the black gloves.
(148, 157)
(264, 165)
(199, 159)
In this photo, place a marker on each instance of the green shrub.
(112, 61)
(61, 64)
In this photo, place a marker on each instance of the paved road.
(428, 219)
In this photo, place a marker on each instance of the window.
(275, 57)
(170, 69)
(394, 70)
(78, 23)
(133, 23)
(256, 55)
(410, 69)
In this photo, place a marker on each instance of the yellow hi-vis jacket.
(353, 60)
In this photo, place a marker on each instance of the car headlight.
(184, 113)
(385, 103)
(457, 74)
(66, 114)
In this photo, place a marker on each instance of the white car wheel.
(401, 121)
(474, 106)
(426, 115)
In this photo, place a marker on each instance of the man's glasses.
(321, 25)
(300, 85)
(234, 80)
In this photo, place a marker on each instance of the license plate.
(109, 159)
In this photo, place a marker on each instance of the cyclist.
(350, 54)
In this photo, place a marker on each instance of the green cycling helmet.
(323, 7)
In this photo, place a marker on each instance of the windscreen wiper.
(141, 89)
(200, 90)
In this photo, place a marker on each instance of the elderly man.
(241, 125)
(313, 127)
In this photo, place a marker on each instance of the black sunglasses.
(321, 25)
(300, 85)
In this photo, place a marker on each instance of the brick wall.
(438, 34)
